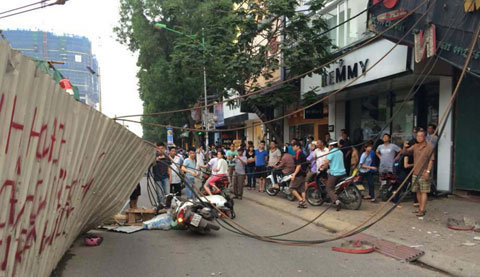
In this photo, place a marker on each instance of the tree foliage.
(237, 54)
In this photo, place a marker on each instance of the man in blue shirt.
(337, 171)
(260, 165)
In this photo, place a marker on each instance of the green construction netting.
(44, 66)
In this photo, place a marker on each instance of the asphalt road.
(181, 253)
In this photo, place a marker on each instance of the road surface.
(181, 253)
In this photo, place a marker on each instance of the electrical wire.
(58, 2)
(22, 7)
(442, 126)
(282, 82)
(300, 109)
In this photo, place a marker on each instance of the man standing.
(231, 153)
(321, 156)
(260, 168)
(189, 167)
(200, 157)
(274, 154)
(297, 182)
(388, 153)
(161, 173)
(344, 144)
(422, 166)
(239, 178)
(337, 171)
(290, 147)
(175, 180)
(432, 139)
(327, 139)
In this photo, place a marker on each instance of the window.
(352, 31)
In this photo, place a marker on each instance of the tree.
(242, 50)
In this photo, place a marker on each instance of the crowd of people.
(323, 160)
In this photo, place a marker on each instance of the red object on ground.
(355, 247)
(459, 225)
(391, 249)
(461, 228)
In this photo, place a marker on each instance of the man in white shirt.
(321, 156)
(220, 173)
(175, 180)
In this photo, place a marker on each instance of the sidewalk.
(443, 247)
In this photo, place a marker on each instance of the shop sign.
(472, 5)
(453, 36)
(344, 72)
(393, 15)
(315, 112)
(356, 64)
(169, 136)
(425, 43)
(331, 128)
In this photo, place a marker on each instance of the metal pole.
(205, 87)
(206, 103)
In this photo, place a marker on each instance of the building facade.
(80, 65)
(369, 94)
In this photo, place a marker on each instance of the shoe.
(373, 200)
(338, 206)
(421, 213)
(302, 205)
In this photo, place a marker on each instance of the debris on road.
(459, 225)
(160, 222)
(355, 247)
(122, 229)
(92, 240)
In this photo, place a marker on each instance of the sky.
(95, 20)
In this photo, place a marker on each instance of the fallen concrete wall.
(64, 167)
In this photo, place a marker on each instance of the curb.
(445, 263)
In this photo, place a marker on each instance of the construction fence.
(64, 167)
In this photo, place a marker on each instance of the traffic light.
(200, 133)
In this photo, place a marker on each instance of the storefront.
(382, 101)
(311, 122)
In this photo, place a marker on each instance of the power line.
(302, 108)
(58, 2)
(22, 7)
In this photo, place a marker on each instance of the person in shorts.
(260, 165)
(297, 183)
(423, 157)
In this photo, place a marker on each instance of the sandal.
(302, 205)
(421, 213)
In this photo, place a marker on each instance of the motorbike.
(348, 189)
(221, 199)
(283, 183)
(191, 215)
(388, 185)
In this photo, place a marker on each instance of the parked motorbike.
(191, 215)
(221, 199)
(283, 183)
(388, 184)
(348, 189)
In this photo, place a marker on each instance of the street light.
(205, 122)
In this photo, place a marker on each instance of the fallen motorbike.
(220, 198)
(388, 185)
(348, 190)
(191, 215)
(283, 184)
